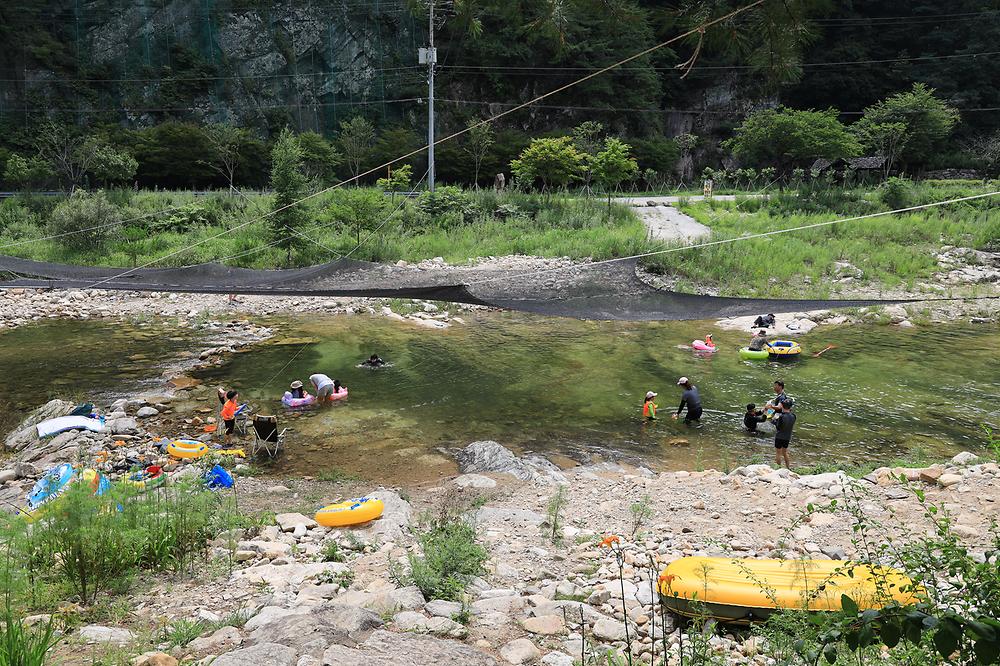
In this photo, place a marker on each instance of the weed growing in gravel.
(183, 631)
(640, 512)
(556, 504)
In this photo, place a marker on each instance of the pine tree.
(289, 184)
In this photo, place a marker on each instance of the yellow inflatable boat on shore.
(742, 590)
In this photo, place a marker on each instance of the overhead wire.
(449, 137)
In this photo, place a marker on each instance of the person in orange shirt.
(649, 407)
(229, 409)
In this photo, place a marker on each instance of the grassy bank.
(455, 225)
(885, 252)
(889, 252)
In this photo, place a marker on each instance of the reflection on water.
(565, 387)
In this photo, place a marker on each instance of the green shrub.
(84, 221)
(446, 206)
(895, 193)
(93, 544)
(451, 557)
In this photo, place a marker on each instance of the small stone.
(288, 521)
(609, 630)
(154, 659)
(965, 458)
(931, 474)
(145, 412)
(545, 625)
(558, 659)
(277, 490)
(475, 481)
(94, 633)
(948, 480)
(520, 651)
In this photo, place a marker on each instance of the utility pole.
(428, 56)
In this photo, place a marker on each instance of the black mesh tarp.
(603, 291)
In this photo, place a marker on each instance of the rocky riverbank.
(551, 590)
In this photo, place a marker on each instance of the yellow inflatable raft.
(351, 512)
(187, 448)
(741, 590)
(784, 348)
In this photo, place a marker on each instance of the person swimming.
(374, 361)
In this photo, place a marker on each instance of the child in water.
(753, 417)
(649, 407)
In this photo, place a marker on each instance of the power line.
(615, 109)
(529, 68)
(128, 109)
(234, 77)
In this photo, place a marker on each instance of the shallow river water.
(570, 390)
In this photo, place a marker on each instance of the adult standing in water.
(784, 420)
(690, 399)
(324, 387)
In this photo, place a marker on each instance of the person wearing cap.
(649, 407)
(690, 399)
(296, 390)
(759, 341)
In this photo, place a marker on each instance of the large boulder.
(490, 456)
(384, 648)
(331, 624)
(263, 654)
(25, 434)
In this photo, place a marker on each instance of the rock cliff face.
(311, 63)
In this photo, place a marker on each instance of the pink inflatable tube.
(700, 345)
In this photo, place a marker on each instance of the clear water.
(574, 390)
(84, 360)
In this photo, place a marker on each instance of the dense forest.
(148, 77)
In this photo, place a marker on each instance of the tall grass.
(84, 545)
(890, 251)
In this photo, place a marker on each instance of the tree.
(685, 144)
(26, 172)
(887, 140)
(171, 155)
(319, 158)
(226, 142)
(554, 161)
(396, 181)
(67, 152)
(479, 140)
(357, 136)
(134, 241)
(289, 185)
(587, 139)
(358, 210)
(110, 165)
(788, 137)
(84, 222)
(613, 165)
(928, 121)
(987, 149)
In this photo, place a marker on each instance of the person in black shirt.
(691, 399)
(753, 417)
(764, 321)
(784, 420)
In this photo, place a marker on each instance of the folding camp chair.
(267, 438)
(242, 416)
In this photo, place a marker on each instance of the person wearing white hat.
(297, 390)
(649, 407)
(690, 399)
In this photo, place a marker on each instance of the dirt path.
(664, 221)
